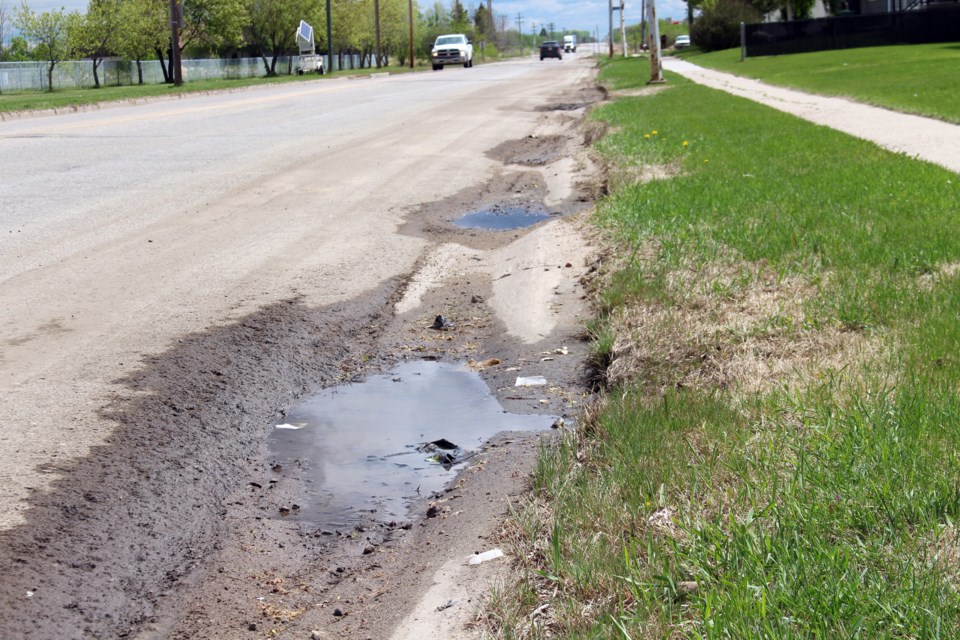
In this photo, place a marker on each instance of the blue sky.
(572, 14)
(584, 15)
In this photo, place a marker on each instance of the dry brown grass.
(730, 325)
(624, 175)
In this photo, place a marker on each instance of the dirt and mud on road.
(184, 525)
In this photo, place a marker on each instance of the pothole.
(532, 151)
(564, 106)
(501, 218)
(374, 447)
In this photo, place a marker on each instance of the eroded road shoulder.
(515, 309)
(179, 525)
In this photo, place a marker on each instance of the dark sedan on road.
(551, 49)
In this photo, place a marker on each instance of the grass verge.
(33, 101)
(920, 79)
(777, 454)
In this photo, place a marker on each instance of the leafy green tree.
(48, 31)
(18, 50)
(436, 15)
(719, 26)
(394, 30)
(93, 34)
(483, 21)
(142, 30)
(4, 21)
(273, 27)
(459, 18)
(212, 24)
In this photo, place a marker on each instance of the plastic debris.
(562, 351)
(291, 426)
(531, 381)
(441, 324)
(486, 556)
(442, 443)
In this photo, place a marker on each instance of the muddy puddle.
(501, 219)
(359, 449)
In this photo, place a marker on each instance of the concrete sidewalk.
(924, 138)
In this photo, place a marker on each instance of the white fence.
(78, 74)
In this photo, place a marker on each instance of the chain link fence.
(78, 74)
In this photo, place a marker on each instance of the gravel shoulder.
(924, 138)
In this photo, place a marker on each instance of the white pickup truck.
(451, 49)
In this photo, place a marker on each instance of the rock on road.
(127, 227)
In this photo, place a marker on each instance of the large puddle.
(359, 448)
(500, 219)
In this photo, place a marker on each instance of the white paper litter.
(486, 556)
(290, 426)
(531, 381)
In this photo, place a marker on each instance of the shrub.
(719, 26)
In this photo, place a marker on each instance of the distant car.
(454, 48)
(551, 49)
(682, 42)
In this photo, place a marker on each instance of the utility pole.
(656, 68)
(329, 38)
(376, 18)
(643, 23)
(551, 31)
(610, 31)
(410, 13)
(623, 31)
(177, 69)
(520, 31)
(491, 23)
(533, 32)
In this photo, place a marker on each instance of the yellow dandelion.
(654, 132)
(686, 144)
(647, 136)
(706, 161)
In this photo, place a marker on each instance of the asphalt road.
(124, 228)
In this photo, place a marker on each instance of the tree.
(207, 25)
(4, 19)
(719, 26)
(273, 27)
(394, 30)
(142, 29)
(693, 5)
(459, 18)
(48, 31)
(93, 35)
(211, 24)
(18, 51)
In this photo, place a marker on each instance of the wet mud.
(126, 523)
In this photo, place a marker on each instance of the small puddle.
(358, 448)
(500, 219)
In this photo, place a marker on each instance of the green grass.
(822, 506)
(921, 79)
(34, 100)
